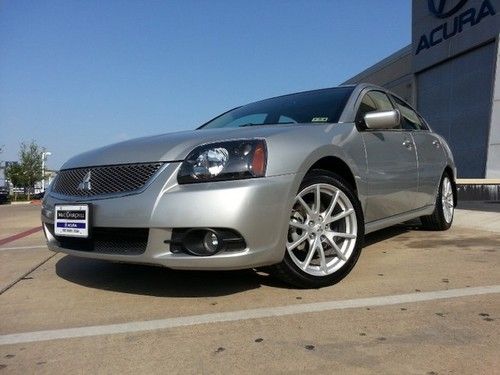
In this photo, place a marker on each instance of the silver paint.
(396, 175)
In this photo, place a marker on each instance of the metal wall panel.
(394, 73)
(455, 97)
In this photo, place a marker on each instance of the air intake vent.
(121, 241)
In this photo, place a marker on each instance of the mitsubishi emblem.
(86, 185)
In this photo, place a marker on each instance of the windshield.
(319, 106)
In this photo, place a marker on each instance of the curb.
(478, 192)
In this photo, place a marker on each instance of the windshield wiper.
(274, 123)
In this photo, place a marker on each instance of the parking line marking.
(19, 235)
(232, 316)
(24, 247)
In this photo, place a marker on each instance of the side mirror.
(382, 119)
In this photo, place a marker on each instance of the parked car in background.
(38, 195)
(293, 182)
(4, 195)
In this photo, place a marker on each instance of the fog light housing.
(205, 241)
(202, 242)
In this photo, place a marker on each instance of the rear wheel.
(442, 217)
(325, 233)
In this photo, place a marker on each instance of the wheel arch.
(338, 166)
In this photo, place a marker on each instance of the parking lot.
(417, 302)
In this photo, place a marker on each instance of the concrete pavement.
(443, 335)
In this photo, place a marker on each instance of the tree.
(14, 173)
(30, 158)
(29, 169)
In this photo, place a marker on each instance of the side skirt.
(396, 219)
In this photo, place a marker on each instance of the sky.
(76, 75)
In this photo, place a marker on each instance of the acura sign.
(462, 20)
(442, 8)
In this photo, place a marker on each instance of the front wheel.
(325, 234)
(442, 217)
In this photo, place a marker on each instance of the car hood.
(167, 147)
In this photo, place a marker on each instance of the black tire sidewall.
(436, 220)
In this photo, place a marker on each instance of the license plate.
(72, 220)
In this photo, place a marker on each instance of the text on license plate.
(72, 220)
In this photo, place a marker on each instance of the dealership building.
(451, 74)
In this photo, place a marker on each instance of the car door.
(391, 163)
(431, 157)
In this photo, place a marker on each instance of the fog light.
(211, 242)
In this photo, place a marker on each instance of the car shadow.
(160, 281)
(164, 282)
(387, 233)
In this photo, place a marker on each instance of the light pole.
(2, 147)
(44, 158)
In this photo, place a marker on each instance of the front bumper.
(258, 209)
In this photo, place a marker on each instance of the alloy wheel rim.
(322, 230)
(447, 200)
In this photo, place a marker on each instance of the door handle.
(407, 143)
(436, 143)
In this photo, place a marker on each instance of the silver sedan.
(292, 182)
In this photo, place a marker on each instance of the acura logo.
(440, 10)
(448, 28)
(86, 184)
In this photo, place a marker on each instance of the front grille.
(106, 180)
(121, 241)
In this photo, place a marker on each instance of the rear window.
(319, 106)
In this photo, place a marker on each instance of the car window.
(255, 118)
(409, 118)
(318, 106)
(286, 120)
(425, 126)
(373, 101)
(382, 100)
(367, 105)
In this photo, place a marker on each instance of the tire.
(442, 217)
(321, 251)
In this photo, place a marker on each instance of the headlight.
(224, 161)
